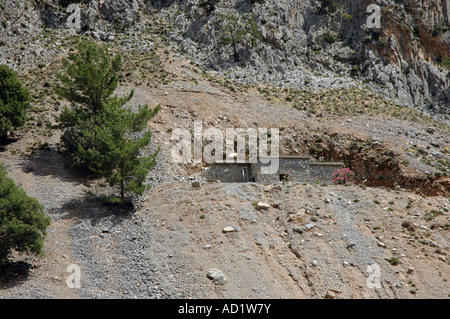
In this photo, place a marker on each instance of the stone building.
(290, 168)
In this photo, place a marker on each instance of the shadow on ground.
(13, 273)
(50, 162)
(94, 208)
(5, 142)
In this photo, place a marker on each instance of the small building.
(290, 168)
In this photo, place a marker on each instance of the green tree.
(100, 133)
(22, 220)
(91, 77)
(233, 32)
(328, 6)
(129, 169)
(14, 101)
(109, 149)
(208, 5)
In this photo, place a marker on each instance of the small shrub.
(113, 201)
(408, 225)
(394, 261)
(23, 221)
(342, 176)
(330, 37)
(14, 101)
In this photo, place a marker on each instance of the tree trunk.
(122, 185)
(235, 53)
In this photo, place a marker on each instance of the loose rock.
(262, 206)
(216, 276)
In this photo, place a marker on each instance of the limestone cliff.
(296, 43)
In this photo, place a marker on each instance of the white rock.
(216, 276)
(262, 206)
(228, 229)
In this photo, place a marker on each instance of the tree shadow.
(49, 162)
(5, 141)
(96, 208)
(13, 273)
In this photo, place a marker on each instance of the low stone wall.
(297, 168)
(226, 172)
(323, 171)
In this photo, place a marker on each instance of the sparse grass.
(394, 261)
(408, 205)
(115, 201)
(348, 102)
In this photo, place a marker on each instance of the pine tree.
(14, 101)
(99, 130)
(233, 32)
(22, 220)
(122, 163)
(91, 77)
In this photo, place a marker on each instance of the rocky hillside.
(297, 44)
(304, 44)
(335, 90)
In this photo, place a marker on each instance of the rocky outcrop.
(298, 44)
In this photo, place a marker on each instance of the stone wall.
(227, 172)
(297, 168)
(323, 171)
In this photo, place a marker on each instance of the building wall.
(227, 173)
(323, 171)
(298, 169)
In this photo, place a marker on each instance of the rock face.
(294, 41)
(298, 44)
(124, 11)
